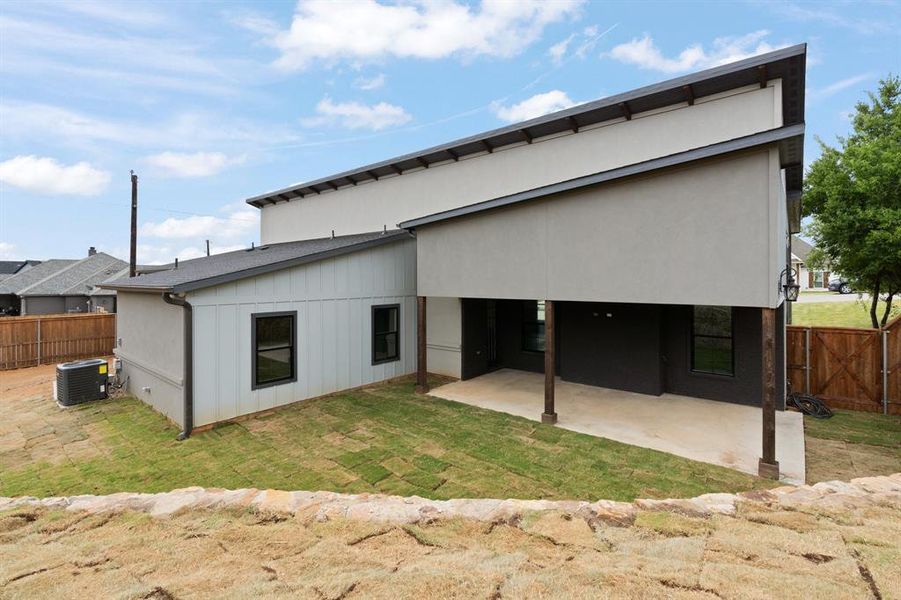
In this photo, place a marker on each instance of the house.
(62, 286)
(11, 286)
(638, 242)
(808, 279)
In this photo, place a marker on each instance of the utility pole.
(208, 247)
(133, 260)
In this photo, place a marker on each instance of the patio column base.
(768, 470)
(549, 418)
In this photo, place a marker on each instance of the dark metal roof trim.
(786, 63)
(781, 135)
(389, 237)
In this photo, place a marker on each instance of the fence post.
(885, 371)
(807, 360)
(39, 342)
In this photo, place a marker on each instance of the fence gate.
(857, 369)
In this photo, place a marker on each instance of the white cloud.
(47, 176)
(824, 14)
(366, 30)
(236, 225)
(355, 115)
(537, 105)
(838, 86)
(372, 83)
(558, 50)
(198, 164)
(645, 54)
(27, 120)
(7, 250)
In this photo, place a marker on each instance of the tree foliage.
(853, 193)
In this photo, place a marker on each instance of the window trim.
(691, 342)
(372, 334)
(254, 351)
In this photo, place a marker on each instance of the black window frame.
(530, 319)
(254, 351)
(730, 337)
(372, 333)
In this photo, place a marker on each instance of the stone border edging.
(323, 506)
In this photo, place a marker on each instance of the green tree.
(853, 193)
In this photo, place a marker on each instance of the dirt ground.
(763, 552)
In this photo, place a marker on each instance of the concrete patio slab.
(705, 430)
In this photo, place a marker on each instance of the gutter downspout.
(169, 298)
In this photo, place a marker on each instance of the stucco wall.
(334, 345)
(705, 233)
(391, 200)
(443, 334)
(43, 305)
(151, 346)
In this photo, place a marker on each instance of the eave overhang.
(787, 64)
(790, 140)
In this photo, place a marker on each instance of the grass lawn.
(852, 444)
(383, 439)
(855, 313)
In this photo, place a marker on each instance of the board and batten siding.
(333, 300)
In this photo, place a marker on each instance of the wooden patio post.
(549, 415)
(422, 378)
(768, 466)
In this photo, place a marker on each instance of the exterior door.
(476, 338)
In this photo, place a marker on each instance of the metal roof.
(28, 277)
(787, 64)
(230, 266)
(790, 140)
(77, 279)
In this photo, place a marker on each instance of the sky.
(214, 102)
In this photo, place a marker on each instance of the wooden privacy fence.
(44, 339)
(858, 369)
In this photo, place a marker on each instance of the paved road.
(830, 297)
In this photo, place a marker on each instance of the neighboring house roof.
(9, 267)
(790, 140)
(78, 278)
(787, 64)
(800, 248)
(28, 277)
(96, 290)
(240, 264)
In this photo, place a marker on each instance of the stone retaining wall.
(323, 506)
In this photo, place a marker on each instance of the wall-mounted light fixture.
(790, 288)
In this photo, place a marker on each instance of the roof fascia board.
(262, 269)
(758, 139)
(675, 83)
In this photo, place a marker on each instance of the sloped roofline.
(786, 63)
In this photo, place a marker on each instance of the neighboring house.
(808, 279)
(66, 287)
(635, 242)
(10, 287)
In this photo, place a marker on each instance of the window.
(385, 333)
(533, 326)
(711, 340)
(274, 337)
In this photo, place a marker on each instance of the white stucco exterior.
(150, 335)
(391, 200)
(698, 234)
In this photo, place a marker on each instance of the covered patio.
(719, 433)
